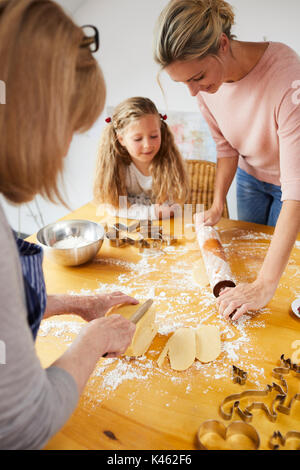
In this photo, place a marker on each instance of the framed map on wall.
(192, 135)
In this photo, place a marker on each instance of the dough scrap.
(144, 334)
(208, 343)
(199, 274)
(188, 344)
(182, 349)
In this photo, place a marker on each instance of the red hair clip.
(163, 117)
(108, 120)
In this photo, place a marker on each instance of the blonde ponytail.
(190, 29)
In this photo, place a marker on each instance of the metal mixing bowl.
(65, 230)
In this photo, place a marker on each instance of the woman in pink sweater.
(250, 97)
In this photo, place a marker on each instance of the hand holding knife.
(138, 314)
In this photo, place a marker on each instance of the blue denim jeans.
(257, 201)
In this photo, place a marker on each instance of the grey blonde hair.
(191, 29)
(54, 88)
(170, 180)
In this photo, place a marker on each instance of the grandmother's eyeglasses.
(91, 37)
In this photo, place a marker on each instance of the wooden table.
(134, 404)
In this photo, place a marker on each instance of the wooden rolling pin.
(217, 267)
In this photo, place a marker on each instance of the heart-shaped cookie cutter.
(236, 428)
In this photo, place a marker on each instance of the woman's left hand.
(244, 298)
(95, 306)
(88, 307)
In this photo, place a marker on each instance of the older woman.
(247, 94)
(54, 88)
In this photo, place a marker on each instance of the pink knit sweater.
(258, 118)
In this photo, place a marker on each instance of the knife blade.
(138, 314)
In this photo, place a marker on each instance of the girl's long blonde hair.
(167, 168)
(54, 87)
(191, 29)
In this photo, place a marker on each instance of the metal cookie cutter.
(120, 235)
(239, 376)
(278, 439)
(286, 366)
(245, 413)
(236, 428)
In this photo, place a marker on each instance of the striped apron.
(31, 257)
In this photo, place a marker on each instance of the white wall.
(125, 55)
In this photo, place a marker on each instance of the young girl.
(140, 172)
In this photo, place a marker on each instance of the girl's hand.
(91, 307)
(244, 298)
(210, 217)
(164, 211)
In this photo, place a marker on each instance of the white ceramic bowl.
(295, 306)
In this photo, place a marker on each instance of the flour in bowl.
(71, 242)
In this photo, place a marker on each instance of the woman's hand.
(88, 307)
(110, 336)
(244, 298)
(115, 333)
(210, 217)
(95, 306)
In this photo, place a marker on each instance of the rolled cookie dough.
(146, 329)
(181, 349)
(208, 343)
(145, 332)
(188, 344)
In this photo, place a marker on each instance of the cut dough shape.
(208, 343)
(188, 344)
(199, 274)
(181, 348)
(145, 332)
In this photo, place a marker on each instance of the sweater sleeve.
(34, 402)
(224, 149)
(288, 119)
